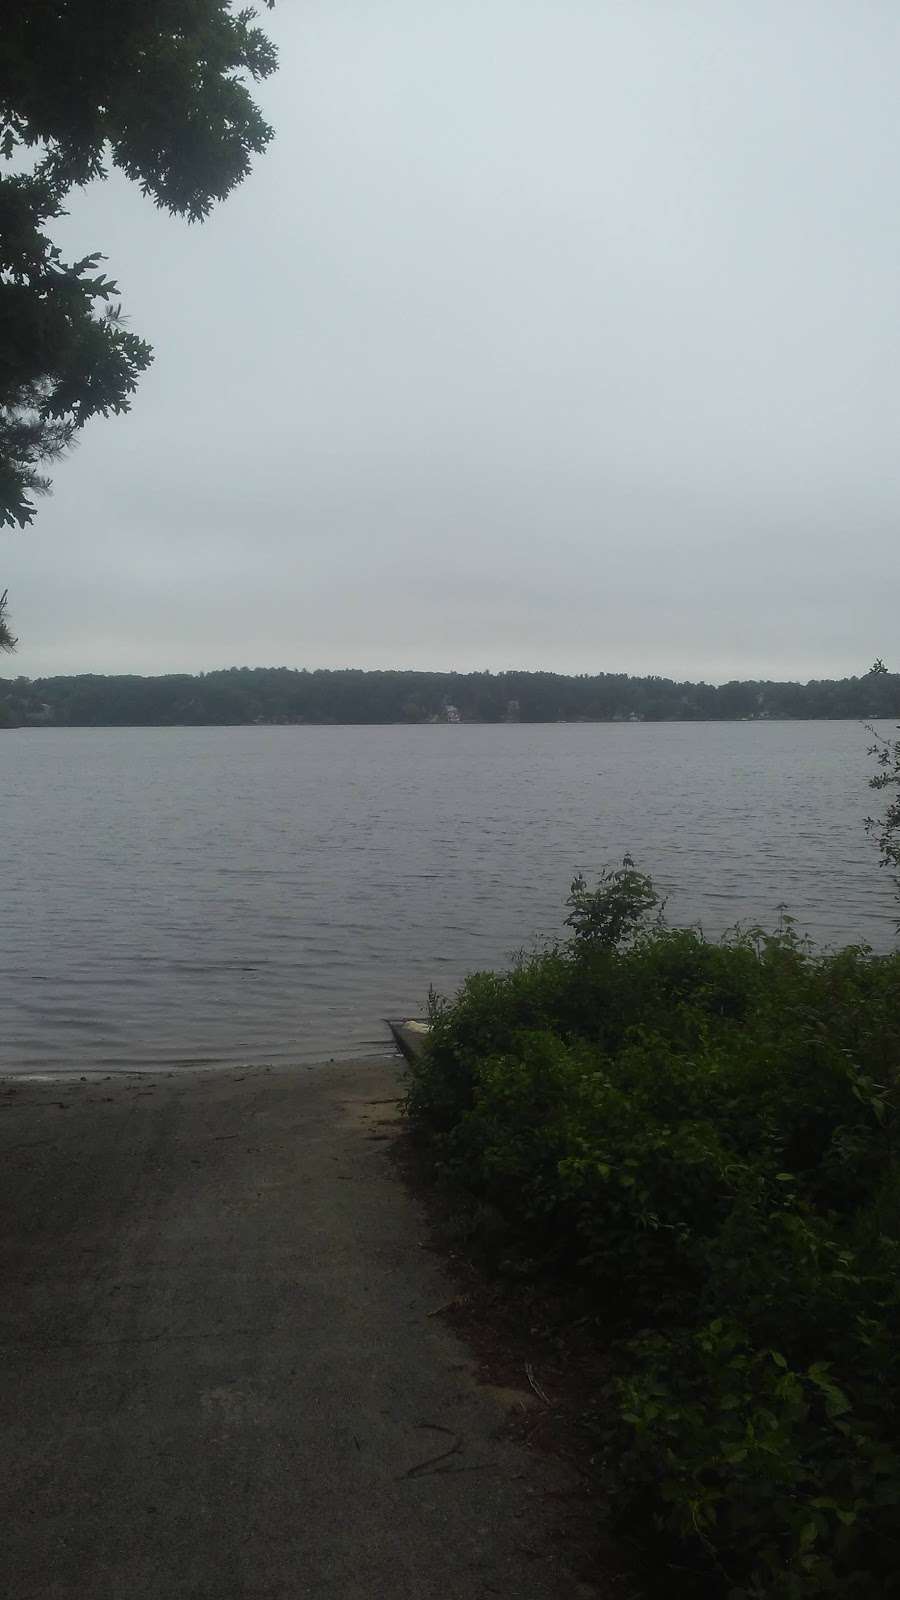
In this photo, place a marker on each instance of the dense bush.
(699, 1140)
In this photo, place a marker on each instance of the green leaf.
(736, 1454)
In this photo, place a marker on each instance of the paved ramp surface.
(220, 1376)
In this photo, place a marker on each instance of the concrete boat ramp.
(222, 1373)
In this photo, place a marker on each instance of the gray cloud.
(547, 334)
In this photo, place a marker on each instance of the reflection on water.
(231, 894)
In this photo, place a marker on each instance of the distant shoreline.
(473, 722)
(283, 696)
(468, 722)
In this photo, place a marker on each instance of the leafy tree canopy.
(7, 639)
(154, 87)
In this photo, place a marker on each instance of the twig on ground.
(419, 1469)
(529, 1373)
(447, 1306)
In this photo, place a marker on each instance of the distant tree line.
(283, 695)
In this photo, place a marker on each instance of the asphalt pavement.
(222, 1373)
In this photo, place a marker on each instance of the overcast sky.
(549, 333)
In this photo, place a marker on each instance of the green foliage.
(62, 361)
(786, 1484)
(886, 828)
(700, 1141)
(8, 639)
(281, 695)
(611, 913)
(160, 91)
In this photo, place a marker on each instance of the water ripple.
(176, 896)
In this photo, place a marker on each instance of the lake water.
(173, 895)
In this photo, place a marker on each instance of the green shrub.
(698, 1141)
(783, 1477)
